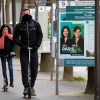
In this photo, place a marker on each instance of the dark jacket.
(65, 44)
(30, 33)
(8, 47)
(68, 42)
(80, 43)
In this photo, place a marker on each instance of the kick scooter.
(29, 75)
(5, 87)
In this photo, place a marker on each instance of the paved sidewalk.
(45, 89)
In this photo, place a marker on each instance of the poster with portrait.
(76, 40)
(71, 38)
(65, 37)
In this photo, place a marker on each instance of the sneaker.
(25, 91)
(33, 92)
(11, 84)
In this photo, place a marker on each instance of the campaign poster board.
(76, 34)
(43, 20)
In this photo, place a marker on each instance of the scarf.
(10, 36)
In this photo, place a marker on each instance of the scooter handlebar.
(29, 48)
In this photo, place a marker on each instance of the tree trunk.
(48, 2)
(90, 83)
(7, 12)
(68, 73)
(0, 12)
(45, 62)
(13, 14)
(3, 12)
(31, 1)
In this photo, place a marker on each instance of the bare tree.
(7, 11)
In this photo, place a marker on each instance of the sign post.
(77, 18)
(97, 50)
(53, 35)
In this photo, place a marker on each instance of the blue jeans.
(10, 67)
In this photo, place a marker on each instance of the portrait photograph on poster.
(65, 38)
(71, 38)
(77, 39)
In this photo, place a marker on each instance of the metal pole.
(51, 67)
(14, 14)
(57, 72)
(97, 50)
(36, 12)
(56, 50)
(3, 12)
(57, 78)
(52, 26)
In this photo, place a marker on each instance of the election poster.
(71, 38)
(76, 39)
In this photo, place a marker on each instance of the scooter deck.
(27, 95)
(5, 89)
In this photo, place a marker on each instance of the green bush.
(78, 79)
